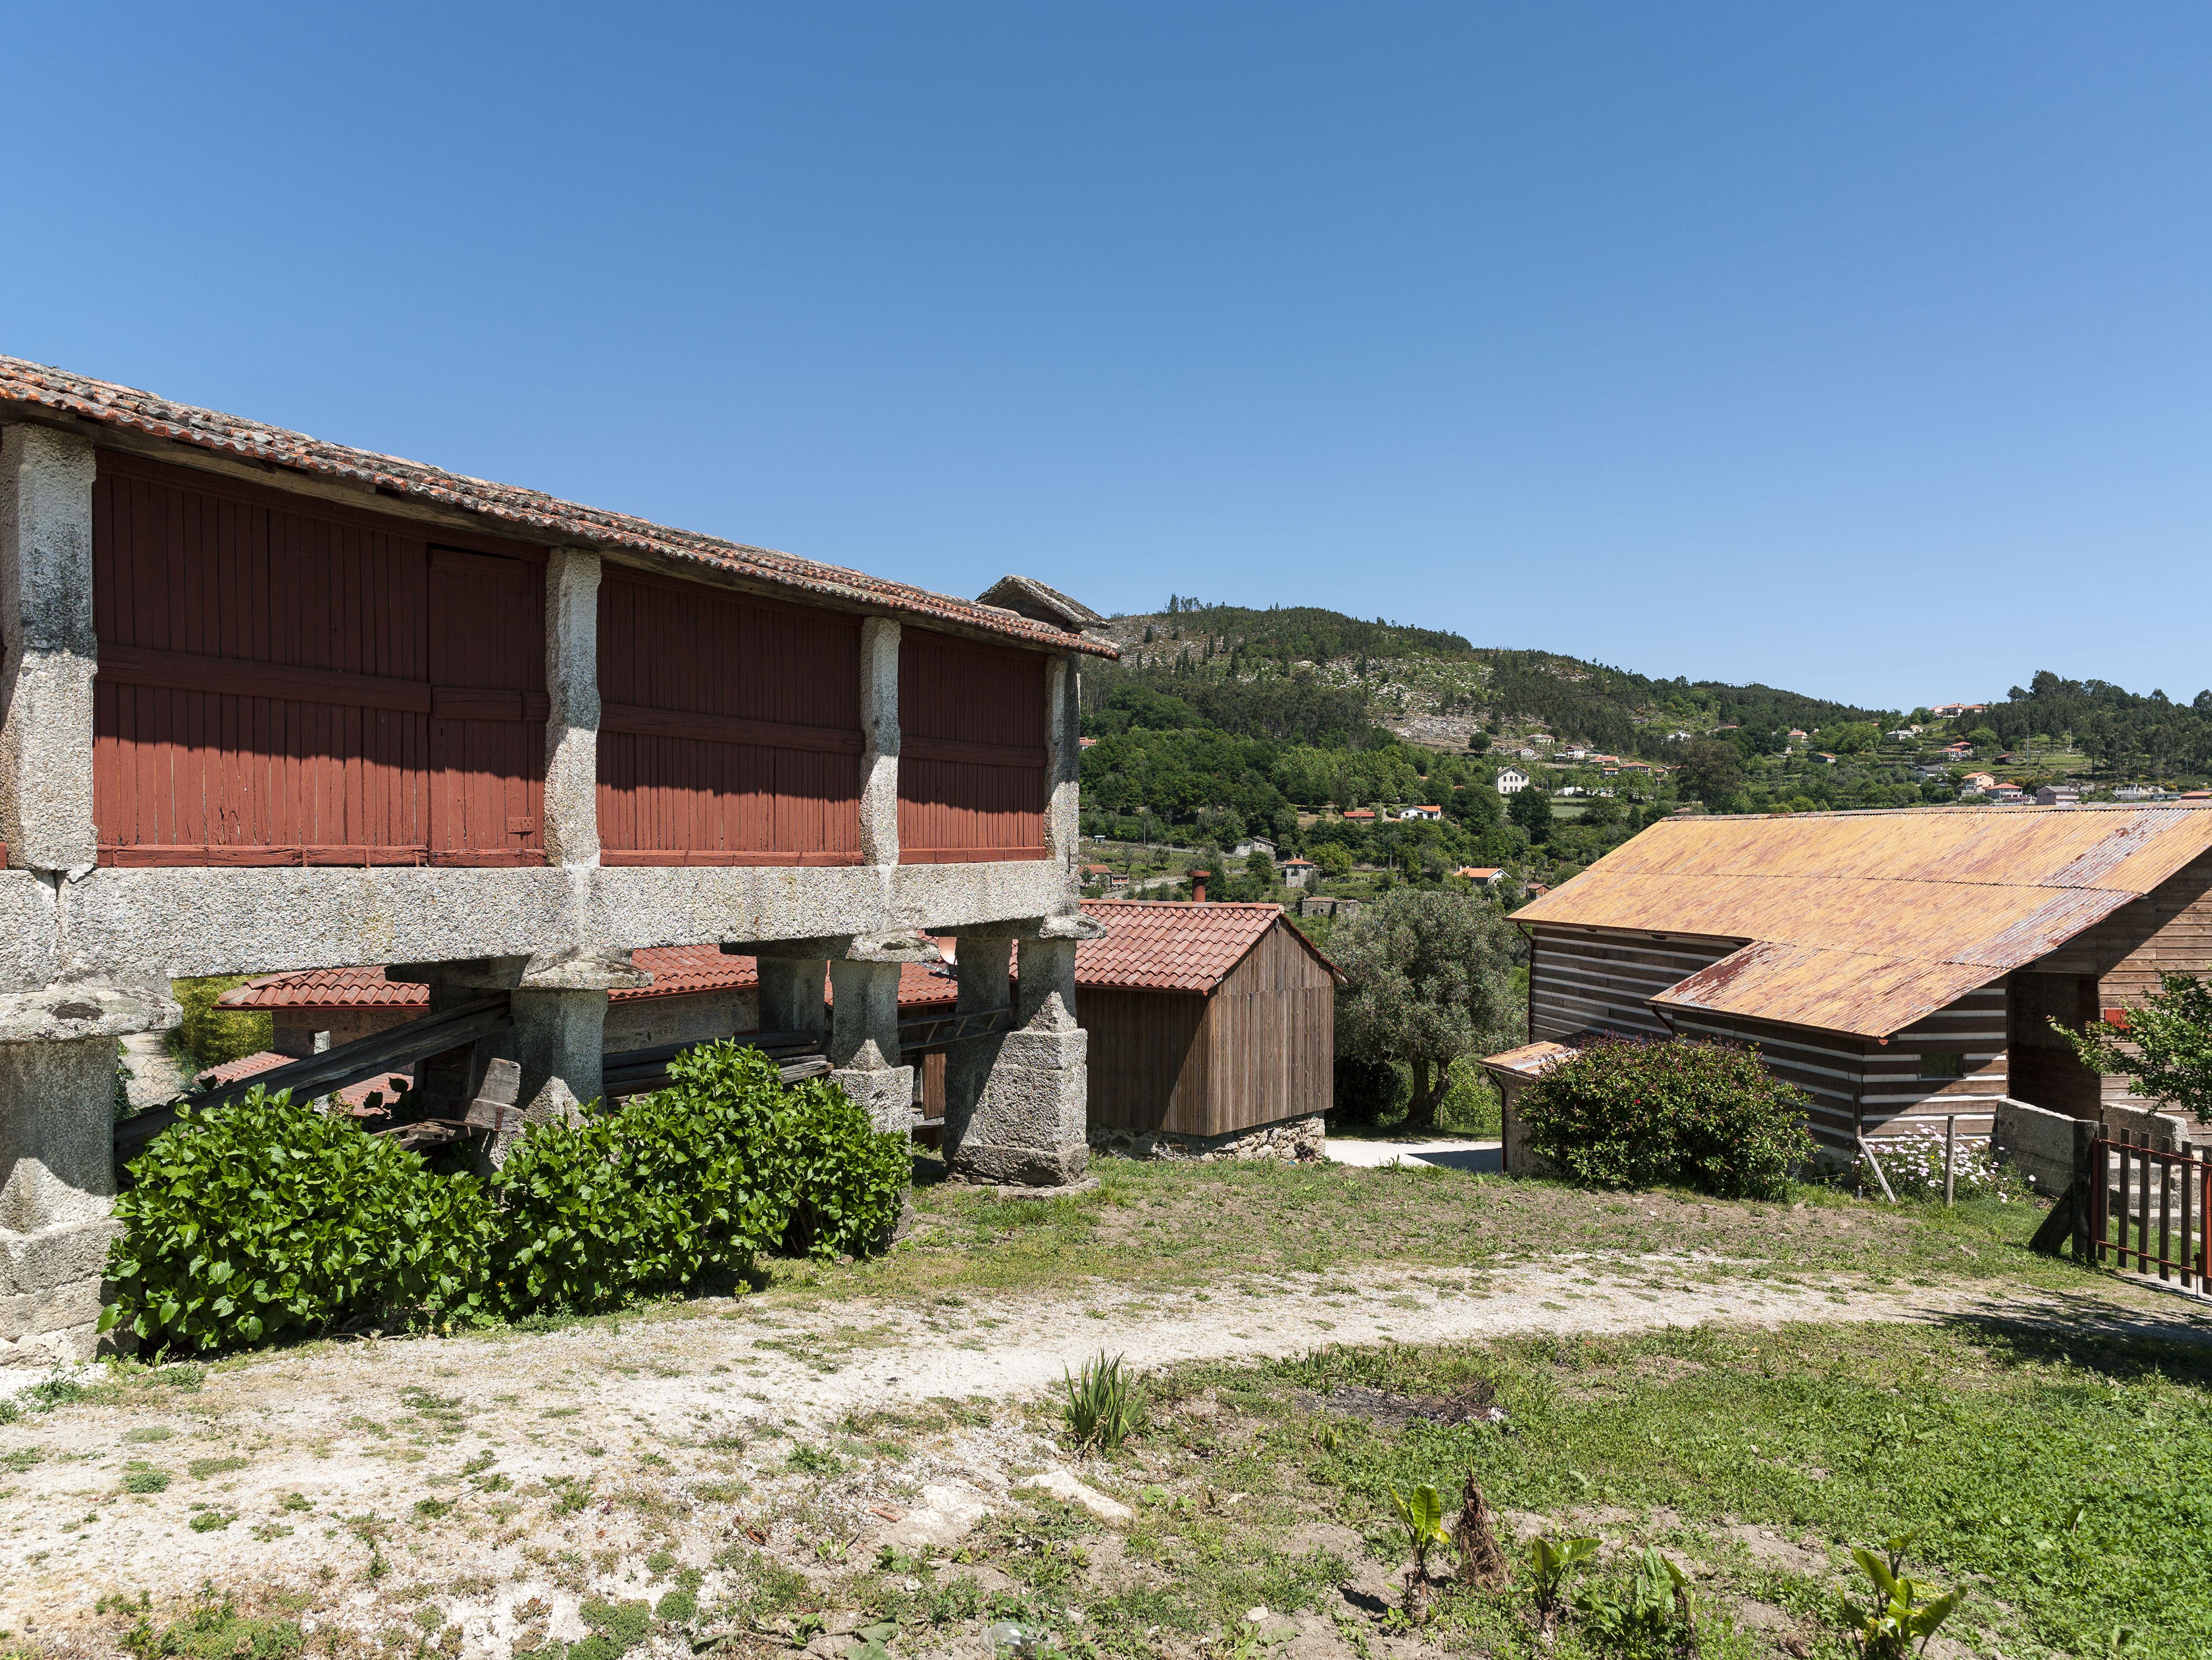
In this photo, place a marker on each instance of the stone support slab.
(571, 725)
(1063, 818)
(879, 738)
(57, 1053)
(51, 652)
(864, 1041)
(561, 1034)
(1017, 1106)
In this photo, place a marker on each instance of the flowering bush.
(1914, 1164)
(1682, 1112)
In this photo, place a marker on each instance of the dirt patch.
(1474, 1404)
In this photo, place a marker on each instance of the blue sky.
(1859, 350)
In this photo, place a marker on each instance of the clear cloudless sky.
(1857, 349)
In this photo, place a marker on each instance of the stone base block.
(1290, 1139)
(884, 1094)
(50, 1291)
(1027, 1126)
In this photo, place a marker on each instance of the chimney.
(1198, 887)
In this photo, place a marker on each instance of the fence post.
(1950, 1154)
(2086, 1175)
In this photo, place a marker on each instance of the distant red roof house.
(1297, 864)
(1430, 812)
(1487, 875)
(1361, 813)
(1086, 743)
(1962, 747)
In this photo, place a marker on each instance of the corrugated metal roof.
(545, 518)
(1865, 922)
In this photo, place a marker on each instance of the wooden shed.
(1207, 1022)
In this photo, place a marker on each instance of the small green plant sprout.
(1103, 1406)
(1550, 1562)
(1901, 1617)
(1421, 1514)
(1656, 1614)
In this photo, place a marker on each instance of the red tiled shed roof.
(531, 513)
(1173, 945)
(676, 970)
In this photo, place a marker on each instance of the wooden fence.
(2141, 1204)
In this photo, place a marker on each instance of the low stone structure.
(1289, 1139)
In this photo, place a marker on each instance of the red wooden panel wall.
(971, 750)
(276, 679)
(729, 727)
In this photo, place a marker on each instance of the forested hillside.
(1222, 722)
(1433, 687)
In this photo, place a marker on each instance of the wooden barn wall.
(972, 756)
(729, 727)
(2115, 962)
(285, 681)
(1272, 1027)
(1584, 981)
(1150, 1062)
(1860, 1086)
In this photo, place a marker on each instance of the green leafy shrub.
(266, 1217)
(1632, 1113)
(644, 1198)
(843, 1179)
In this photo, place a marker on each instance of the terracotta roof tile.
(1171, 945)
(252, 1066)
(542, 517)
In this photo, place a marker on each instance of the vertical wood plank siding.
(729, 727)
(289, 682)
(1149, 1061)
(1583, 980)
(972, 760)
(1259, 1047)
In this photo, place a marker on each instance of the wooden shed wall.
(284, 681)
(1149, 1058)
(729, 727)
(972, 751)
(1272, 1028)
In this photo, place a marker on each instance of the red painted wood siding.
(971, 750)
(272, 682)
(729, 727)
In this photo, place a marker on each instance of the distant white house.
(2057, 795)
(1678, 737)
(1575, 753)
(1252, 844)
(1297, 873)
(1430, 813)
(1512, 781)
(1485, 876)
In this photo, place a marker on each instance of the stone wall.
(1288, 1139)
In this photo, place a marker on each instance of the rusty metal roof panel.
(1865, 922)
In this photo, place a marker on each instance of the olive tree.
(1428, 981)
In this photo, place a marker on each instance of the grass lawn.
(1180, 1224)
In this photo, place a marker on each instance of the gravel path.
(700, 1404)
